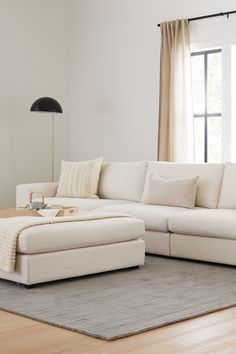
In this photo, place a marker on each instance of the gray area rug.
(121, 303)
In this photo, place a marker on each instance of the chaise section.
(219, 223)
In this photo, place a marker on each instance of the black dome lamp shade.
(48, 105)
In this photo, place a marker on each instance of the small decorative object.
(48, 105)
(64, 210)
(36, 205)
(69, 211)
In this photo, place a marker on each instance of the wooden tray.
(13, 212)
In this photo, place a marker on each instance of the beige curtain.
(175, 128)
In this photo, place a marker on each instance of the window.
(207, 97)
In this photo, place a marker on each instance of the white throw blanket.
(10, 229)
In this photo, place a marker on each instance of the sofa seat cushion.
(219, 223)
(82, 204)
(155, 217)
(64, 236)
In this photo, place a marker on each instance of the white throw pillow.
(179, 192)
(79, 179)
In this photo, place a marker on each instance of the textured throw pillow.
(79, 179)
(180, 192)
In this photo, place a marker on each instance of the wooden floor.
(209, 334)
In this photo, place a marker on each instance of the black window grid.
(205, 115)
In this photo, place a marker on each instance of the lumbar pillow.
(79, 179)
(180, 192)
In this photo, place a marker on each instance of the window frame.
(206, 115)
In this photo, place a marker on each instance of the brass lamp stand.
(53, 147)
(48, 105)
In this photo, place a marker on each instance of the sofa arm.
(23, 192)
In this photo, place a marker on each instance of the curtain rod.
(209, 16)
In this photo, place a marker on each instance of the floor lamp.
(48, 105)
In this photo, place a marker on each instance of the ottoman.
(64, 250)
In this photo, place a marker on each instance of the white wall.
(115, 71)
(33, 63)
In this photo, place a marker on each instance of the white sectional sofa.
(207, 232)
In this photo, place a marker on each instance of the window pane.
(199, 125)
(214, 139)
(214, 83)
(198, 83)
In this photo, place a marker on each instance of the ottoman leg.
(135, 267)
(27, 286)
(30, 286)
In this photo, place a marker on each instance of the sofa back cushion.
(209, 182)
(228, 195)
(122, 180)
